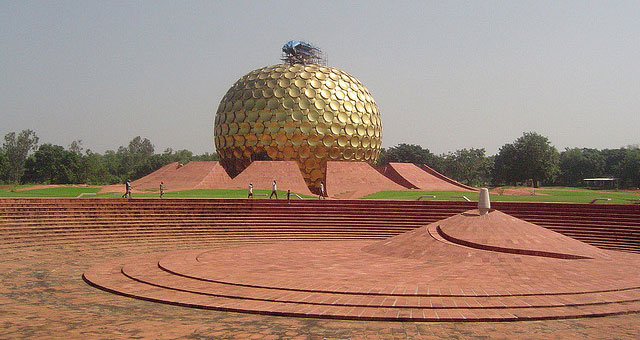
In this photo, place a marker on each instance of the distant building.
(602, 183)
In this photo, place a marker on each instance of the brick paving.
(414, 276)
(43, 296)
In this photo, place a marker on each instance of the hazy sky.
(446, 74)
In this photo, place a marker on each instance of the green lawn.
(92, 192)
(574, 195)
(571, 195)
(48, 192)
(208, 193)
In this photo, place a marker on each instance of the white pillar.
(484, 204)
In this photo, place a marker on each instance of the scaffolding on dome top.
(302, 52)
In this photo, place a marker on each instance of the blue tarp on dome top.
(292, 46)
(301, 52)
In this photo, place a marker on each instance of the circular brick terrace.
(465, 268)
(42, 295)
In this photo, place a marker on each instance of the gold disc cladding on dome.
(307, 113)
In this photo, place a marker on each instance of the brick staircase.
(27, 222)
(614, 227)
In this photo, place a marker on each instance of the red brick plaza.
(336, 269)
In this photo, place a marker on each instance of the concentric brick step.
(133, 243)
(201, 279)
(240, 219)
(187, 236)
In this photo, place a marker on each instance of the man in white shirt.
(274, 189)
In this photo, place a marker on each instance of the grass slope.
(548, 195)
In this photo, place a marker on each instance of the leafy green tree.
(206, 157)
(180, 156)
(16, 150)
(112, 162)
(613, 159)
(76, 147)
(468, 166)
(4, 167)
(94, 170)
(134, 159)
(530, 157)
(577, 164)
(406, 153)
(52, 164)
(140, 147)
(629, 170)
(505, 166)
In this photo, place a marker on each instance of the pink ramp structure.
(262, 173)
(193, 175)
(424, 178)
(356, 179)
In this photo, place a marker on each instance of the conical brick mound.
(495, 231)
(193, 175)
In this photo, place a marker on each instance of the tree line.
(24, 160)
(531, 157)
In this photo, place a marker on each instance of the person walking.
(250, 190)
(274, 189)
(322, 194)
(127, 190)
(161, 189)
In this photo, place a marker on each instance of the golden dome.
(307, 113)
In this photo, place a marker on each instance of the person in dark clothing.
(127, 188)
